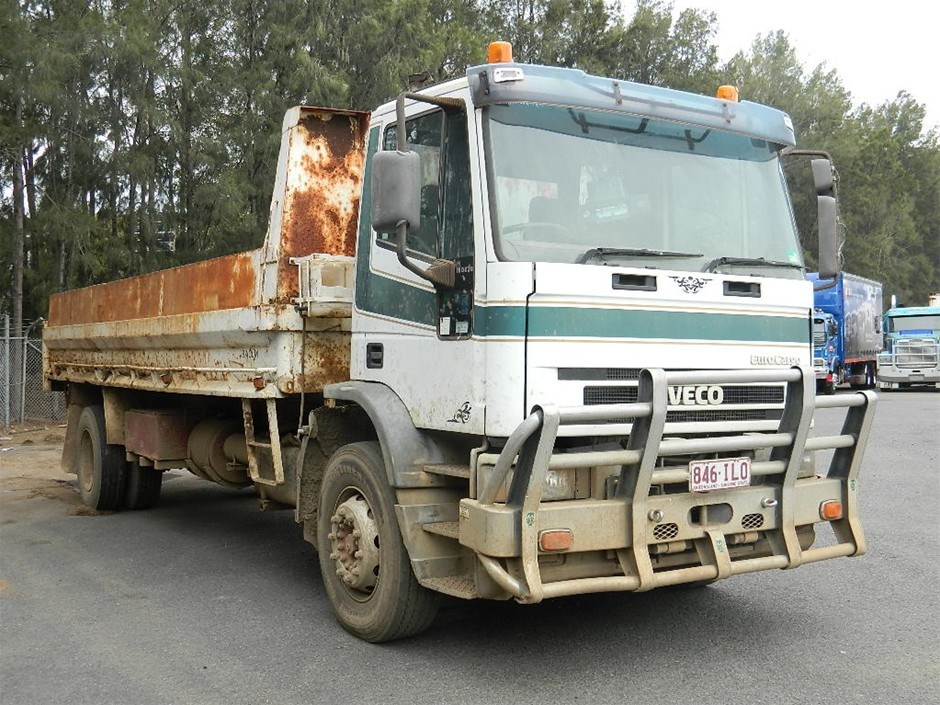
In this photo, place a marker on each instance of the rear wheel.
(143, 486)
(101, 472)
(366, 571)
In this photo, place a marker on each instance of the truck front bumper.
(648, 512)
(890, 375)
(821, 369)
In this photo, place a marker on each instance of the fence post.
(6, 371)
(25, 353)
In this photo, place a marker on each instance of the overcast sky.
(877, 49)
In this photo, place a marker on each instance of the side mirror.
(396, 190)
(822, 177)
(396, 207)
(828, 217)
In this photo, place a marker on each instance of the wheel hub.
(354, 544)
(86, 472)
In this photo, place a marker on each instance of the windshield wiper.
(759, 261)
(630, 252)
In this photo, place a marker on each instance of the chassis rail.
(529, 454)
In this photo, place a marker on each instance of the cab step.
(450, 470)
(457, 586)
(450, 529)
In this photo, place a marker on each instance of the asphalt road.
(207, 600)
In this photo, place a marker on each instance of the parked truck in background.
(525, 334)
(847, 333)
(911, 346)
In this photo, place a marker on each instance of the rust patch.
(324, 183)
(213, 285)
(326, 361)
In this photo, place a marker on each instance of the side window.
(457, 211)
(424, 137)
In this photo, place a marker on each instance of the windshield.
(819, 332)
(922, 323)
(636, 191)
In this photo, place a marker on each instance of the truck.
(911, 354)
(523, 334)
(846, 331)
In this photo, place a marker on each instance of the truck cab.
(825, 350)
(911, 349)
(594, 234)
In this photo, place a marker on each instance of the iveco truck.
(523, 334)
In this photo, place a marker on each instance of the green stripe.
(561, 322)
(550, 322)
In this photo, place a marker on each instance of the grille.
(609, 395)
(664, 532)
(752, 521)
(763, 395)
(732, 394)
(724, 415)
(915, 353)
(609, 374)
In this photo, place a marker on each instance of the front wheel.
(365, 567)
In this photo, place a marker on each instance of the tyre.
(101, 471)
(365, 568)
(143, 486)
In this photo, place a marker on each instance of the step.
(456, 586)
(450, 529)
(449, 470)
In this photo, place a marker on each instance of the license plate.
(707, 475)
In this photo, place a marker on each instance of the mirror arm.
(441, 272)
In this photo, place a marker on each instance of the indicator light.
(729, 93)
(831, 510)
(556, 539)
(499, 53)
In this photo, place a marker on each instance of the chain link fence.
(22, 397)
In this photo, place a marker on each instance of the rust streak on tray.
(213, 285)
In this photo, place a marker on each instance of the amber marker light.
(499, 53)
(831, 510)
(729, 93)
(556, 539)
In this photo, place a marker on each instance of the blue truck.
(847, 335)
(911, 346)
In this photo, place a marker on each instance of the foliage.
(145, 132)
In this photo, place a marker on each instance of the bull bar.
(623, 522)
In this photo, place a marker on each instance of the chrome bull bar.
(529, 454)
